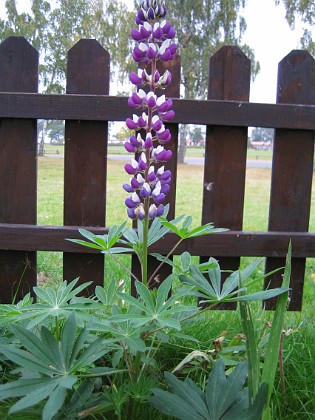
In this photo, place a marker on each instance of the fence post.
(18, 167)
(86, 158)
(172, 91)
(226, 149)
(292, 169)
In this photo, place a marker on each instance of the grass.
(191, 151)
(299, 345)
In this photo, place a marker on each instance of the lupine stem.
(163, 262)
(145, 243)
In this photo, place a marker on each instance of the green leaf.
(103, 371)
(25, 359)
(131, 236)
(22, 387)
(221, 391)
(173, 405)
(116, 250)
(86, 244)
(272, 350)
(185, 260)
(200, 282)
(145, 295)
(31, 342)
(187, 222)
(54, 403)
(91, 353)
(132, 301)
(215, 387)
(47, 295)
(50, 344)
(251, 349)
(163, 292)
(162, 258)
(169, 322)
(215, 277)
(68, 339)
(189, 392)
(34, 397)
(264, 295)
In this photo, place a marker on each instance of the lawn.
(298, 341)
(51, 149)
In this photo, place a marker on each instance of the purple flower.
(132, 201)
(149, 186)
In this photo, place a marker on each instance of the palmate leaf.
(101, 242)
(224, 397)
(22, 387)
(221, 390)
(55, 303)
(184, 232)
(211, 292)
(55, 365)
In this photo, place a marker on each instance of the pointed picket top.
(229, 75)
(88, 68)
(296, 78)
(18, 65)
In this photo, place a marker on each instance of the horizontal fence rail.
(115, 108)
(87, 108)
(227, 244)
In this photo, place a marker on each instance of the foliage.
(305, 10)
(262, 134)
(54, 27)
(53, 365)
(64, 339)
(224, 397)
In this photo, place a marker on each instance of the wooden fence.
(86, 108)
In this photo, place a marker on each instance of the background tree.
(55, 131)
(305, 10)
(197, 135)
(54, 27)
(262, 134)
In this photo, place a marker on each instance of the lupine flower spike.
(149, 186)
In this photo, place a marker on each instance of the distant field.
(191, 151)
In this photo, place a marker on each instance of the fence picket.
(292, 169)
(18, 166)
(226, 148)
(86, 134)
(86, 158)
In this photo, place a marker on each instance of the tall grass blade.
(251, 350)
(272, 350)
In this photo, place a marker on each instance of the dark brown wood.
(226, 148)
(85, 158)
(18, 167)
(232, 243)
(110, 108)
(87, 108)
(292, 169)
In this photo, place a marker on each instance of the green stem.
(145, 238)
(163, 262)
(123, 266)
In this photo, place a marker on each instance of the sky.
(267, 33)
(271, 38)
